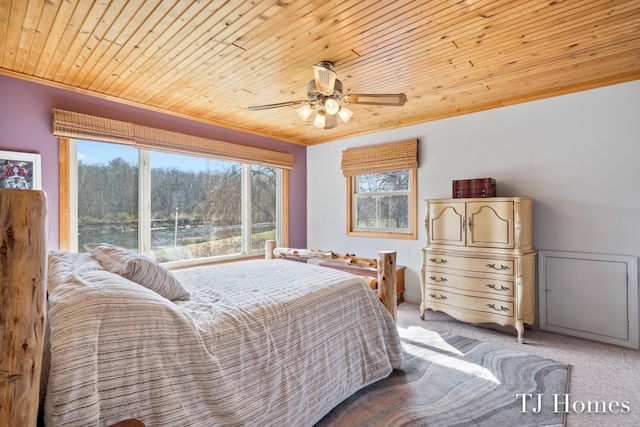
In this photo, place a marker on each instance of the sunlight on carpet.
(450, 380)
(440, 352)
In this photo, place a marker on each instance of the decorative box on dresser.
(478, 264)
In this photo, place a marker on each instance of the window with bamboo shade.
(216, 167)
(382, 189)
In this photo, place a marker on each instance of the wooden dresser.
(478, 264)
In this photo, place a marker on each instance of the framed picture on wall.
(20, 170)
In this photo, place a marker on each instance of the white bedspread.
(260, 343)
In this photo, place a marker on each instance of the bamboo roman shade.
(395, 156)
(81, 126)
(67, 124)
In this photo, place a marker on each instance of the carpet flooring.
(450, 380)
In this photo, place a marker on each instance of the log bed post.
(385, 265)
(269, 247)
(387, 281)
(23, 272)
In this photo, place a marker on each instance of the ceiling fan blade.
(325, 77)
(389, 99)
(278, 105)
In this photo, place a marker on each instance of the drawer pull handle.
(434, 296)
(502, 287)
(438, 261)
(435, 279)
(493, 306)
(493, 266)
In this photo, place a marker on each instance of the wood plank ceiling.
(210, 60)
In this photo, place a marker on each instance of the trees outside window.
(173, 207)
(382, 204)
(382, 189)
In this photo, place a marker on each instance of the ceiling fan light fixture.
(325, 95)
(305, 111)
(325, 77)
(345, 114)
(330, 121)
(331, 106)
(319, 121)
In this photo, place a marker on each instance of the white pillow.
(62, 265)
(139, 269)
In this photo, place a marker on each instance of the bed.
(259, 342)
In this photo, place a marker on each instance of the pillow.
(139, 269)
(62, 265)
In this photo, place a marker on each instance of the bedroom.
(575, 154)
(583, 161)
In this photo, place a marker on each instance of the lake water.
(165, 238)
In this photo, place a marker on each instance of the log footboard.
(385, 265)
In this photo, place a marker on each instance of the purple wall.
(25, 125)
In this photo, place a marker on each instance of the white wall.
(577, 155)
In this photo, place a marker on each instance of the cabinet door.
(490, 224)
(446, 223)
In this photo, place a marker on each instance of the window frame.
(68, 188)
(411, 234)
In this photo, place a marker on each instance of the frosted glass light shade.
(345, 114)
(330, 121)
(319, 121)
(331, 106)
(305, 111)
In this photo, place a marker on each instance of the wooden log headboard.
(385, 265)
(23, 273)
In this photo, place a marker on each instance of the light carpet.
(449, 380)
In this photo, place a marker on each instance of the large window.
(177, 208)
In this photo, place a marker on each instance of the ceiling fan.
(324, 93)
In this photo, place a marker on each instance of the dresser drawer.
(484, 305)
(483, 265)
(470, 283)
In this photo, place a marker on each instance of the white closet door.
(592, 296)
